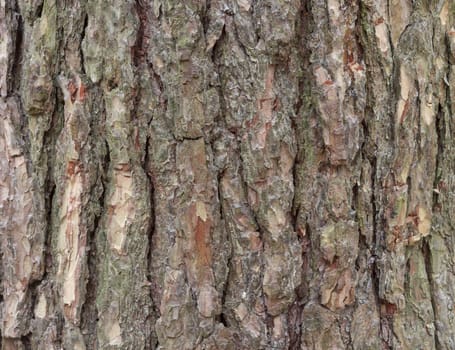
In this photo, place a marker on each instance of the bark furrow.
(227, 174)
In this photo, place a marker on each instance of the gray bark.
(227, 174)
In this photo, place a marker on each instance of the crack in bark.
(16, 70)
(82, 38)
(371, 153)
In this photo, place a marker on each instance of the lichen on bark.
(227, 174)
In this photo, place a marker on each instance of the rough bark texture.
(227, 174)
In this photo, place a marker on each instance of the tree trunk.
(227, 174)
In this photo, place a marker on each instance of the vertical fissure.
(139, 50)
(209, 58)
(440, 151)
(222, 317)
(150, 234)
(151, 229)
(26, 343)
(81, 51)
(426, 248)
(39, 9)
(295, 314)
(16, 70)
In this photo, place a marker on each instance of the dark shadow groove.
(81, 52)
(15, 76)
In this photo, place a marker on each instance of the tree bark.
(227, 174)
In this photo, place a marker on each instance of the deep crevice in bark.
(205, 16)
(222, 317)
(139, 50)
(26, 343)
(16, 70)
(440, 132)
(379, 159)
(81, 52)
(151, 229)
(39, 9)
(48, 261)
(436, 206)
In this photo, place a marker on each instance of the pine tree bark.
(227, 174)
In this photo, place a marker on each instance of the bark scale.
(227, 174)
